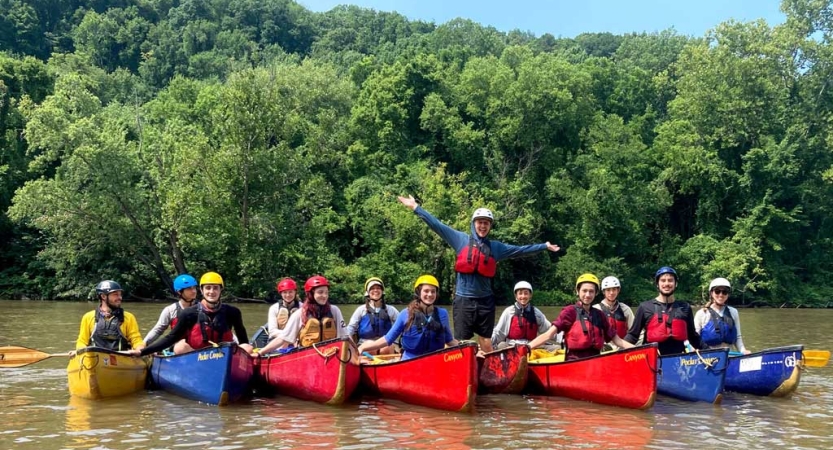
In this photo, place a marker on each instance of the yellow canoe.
(96, 373)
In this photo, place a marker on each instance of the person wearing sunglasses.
(718, 323)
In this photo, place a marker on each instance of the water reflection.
(37, 412)
(386, 422)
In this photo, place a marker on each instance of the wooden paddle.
(816, 358)
(21, 356)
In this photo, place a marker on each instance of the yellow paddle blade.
(21, 356)
(816, 358)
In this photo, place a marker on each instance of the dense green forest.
(144, 138)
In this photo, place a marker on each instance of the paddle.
(370, 356)
(816, 358)
(812, 358)
(21, 356)
(382, 358)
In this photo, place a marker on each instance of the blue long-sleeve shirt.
(473, 284)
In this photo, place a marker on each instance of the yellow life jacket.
(317, 331)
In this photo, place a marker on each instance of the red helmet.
(314, 282)
(286, 284)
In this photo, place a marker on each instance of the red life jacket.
(476, 258)
(664, 324)
(214, 329)
(587, 331)
(524, 325)
(616, 319)
(175, 319)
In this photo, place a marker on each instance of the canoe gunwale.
(341, 349)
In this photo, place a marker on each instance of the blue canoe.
(774, 372)
(694, 377)
(213, 375)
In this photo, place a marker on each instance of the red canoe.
(327, 372)
(445, 379)
(625, 378)
(503, 371)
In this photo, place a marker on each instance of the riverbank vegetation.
(144, 138)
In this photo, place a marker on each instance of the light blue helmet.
(184, 281)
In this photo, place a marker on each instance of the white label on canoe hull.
(750, 364)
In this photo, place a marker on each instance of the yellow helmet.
(373, 281)
(211, 278)
(427, 279)
(588, 278)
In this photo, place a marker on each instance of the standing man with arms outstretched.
(473, 309)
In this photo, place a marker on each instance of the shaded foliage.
(140, 139)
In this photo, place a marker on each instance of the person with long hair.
(424, 328)
(718, 323)
(318, 320)
(375, 319)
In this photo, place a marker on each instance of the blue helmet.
(184, 281)
(663, 270)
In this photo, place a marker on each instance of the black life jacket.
(107, 331)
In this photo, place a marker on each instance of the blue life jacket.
(374, 325)
(425, 334)
(719, 329)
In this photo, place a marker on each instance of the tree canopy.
(141, 139)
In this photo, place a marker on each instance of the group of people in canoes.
(379, 328)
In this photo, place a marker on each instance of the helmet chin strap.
(214, 305)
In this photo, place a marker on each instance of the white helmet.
(610, 282)
(522, 285)
(483, 213)
(719, 282)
